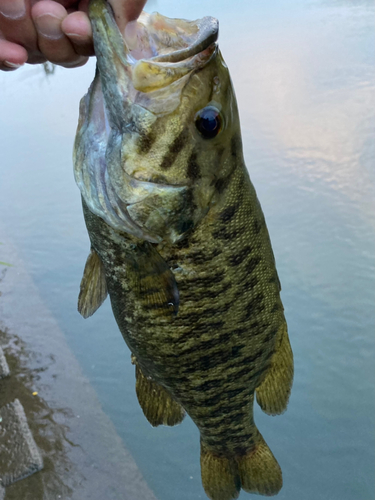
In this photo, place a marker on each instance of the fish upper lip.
(204, 32)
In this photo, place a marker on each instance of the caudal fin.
(259, 471)
(220, 476)
(255, 472)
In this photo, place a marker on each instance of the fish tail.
(259, 471)
(220, 475)
(255, 472)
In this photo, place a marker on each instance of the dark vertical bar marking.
(145, 142)
(174, 150)
(193, 169)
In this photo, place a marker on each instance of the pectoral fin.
(93, 288)
(153, 282)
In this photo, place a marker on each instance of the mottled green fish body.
(180, 244)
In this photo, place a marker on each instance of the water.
(304, 78)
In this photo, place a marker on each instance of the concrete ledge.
(20, 456)
(87, 460)
(4, 368)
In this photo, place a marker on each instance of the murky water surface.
(304, 78)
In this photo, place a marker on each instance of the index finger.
(17, 26)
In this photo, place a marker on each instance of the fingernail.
(12, 65)
(13, 9)
(49, 26)
(78, 39)
(76, 63)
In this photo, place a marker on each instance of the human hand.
(59, 31)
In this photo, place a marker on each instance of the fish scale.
(180, 244)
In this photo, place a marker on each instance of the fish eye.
(208, 122)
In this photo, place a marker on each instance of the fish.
(180, 244)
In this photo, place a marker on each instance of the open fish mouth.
(155, 49)
(167, 49)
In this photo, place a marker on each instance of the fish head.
(155, 128)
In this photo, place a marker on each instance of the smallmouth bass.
(180, 244)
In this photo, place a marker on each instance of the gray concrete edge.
(108, 469)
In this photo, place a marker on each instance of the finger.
(126, 11)
(13, 9)
(52, 42)
(12, 56)
(16, 26)
(79, 61)
(77, 28)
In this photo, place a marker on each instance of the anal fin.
(157, 404)
(273, 393)
(93, 288)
